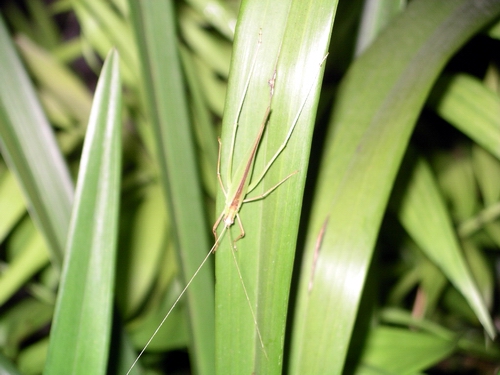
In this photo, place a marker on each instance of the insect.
(239, 185)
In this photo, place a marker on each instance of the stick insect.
(239, 185)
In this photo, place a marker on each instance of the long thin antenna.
(212, 250)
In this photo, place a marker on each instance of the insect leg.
(242, 231)
(218, 172)
(262, 196)
(216, 225)
(290, 131)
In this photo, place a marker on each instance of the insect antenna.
(212, 250)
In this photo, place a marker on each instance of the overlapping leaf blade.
(30, 149)
(81, 329)
(378, 104)
(175, 154)
(289, 39)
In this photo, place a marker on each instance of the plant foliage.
(376, 256)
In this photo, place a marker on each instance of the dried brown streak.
(317, 247)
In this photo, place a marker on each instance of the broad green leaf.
(289, 39)
(378, 103)
(81, 329)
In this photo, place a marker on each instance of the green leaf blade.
(379, 102)
(30, 149)
(175, 154)
(294, 36)
(82, 324)
(423, 214)
(471, 107)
